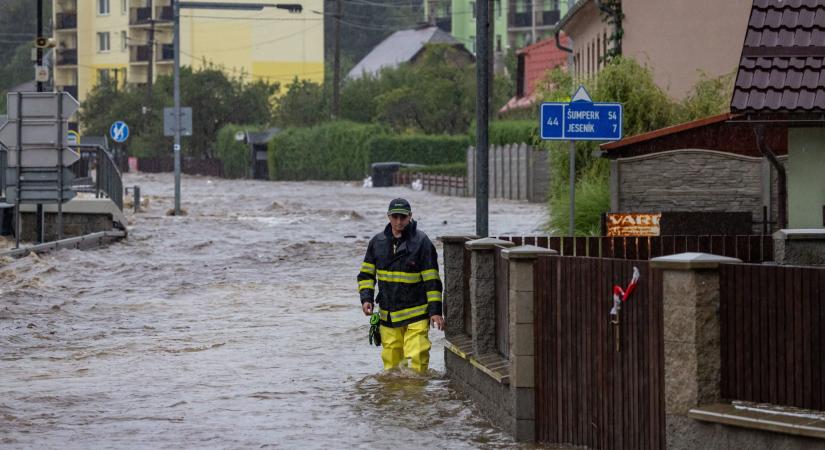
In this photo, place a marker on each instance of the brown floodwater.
(235, 326)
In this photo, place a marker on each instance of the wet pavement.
(235, 326)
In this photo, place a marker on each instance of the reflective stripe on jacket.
(409, 287)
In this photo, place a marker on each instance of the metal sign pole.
(176, 148)
(17, 218)
(59, 168)
(482, 118)
(572, 164)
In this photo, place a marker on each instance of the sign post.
(38, 157)
(579, 120)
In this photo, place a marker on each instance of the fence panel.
(589, 392)
(772, 329)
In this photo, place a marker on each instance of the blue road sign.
(119, 131)
(581, 120)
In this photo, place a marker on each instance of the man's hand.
(437, 322)
(367, 308)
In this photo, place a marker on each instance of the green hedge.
(233, 154)
(331, 151)
(419, 149)
(458, 169)
(503, 132)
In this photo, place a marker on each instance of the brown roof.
(782, 68)
(709, 133)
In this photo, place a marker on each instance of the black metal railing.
(140, 16)
(166, 13)
(140, 53)
(96, 172)
(66, 56)
(66, 20)
(167, 52)
(550, 17)
(520, 19)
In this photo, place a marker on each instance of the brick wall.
(73, 225)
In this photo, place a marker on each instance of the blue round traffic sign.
(119, 131)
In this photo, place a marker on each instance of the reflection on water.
(235, 326)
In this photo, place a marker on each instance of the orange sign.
(633, 224)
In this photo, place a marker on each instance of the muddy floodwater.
(235, 326)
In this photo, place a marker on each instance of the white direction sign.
(119, 131)
(40, 121)
(41, 105)
(43, 157)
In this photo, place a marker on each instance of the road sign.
(119, 131)
(581, 120)
(72, 138)
(185, 121)
(43, 157)
(39, 185)
(41, 105)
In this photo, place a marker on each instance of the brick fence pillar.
(453, 298)
(804, 247)
(483, 293)
(690, 304)
(522, 341)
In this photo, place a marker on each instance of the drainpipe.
(781, 177)
(616, 21)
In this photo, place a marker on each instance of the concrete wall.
(693, 180)
(806, 184)
(73, 225)
(516, 172)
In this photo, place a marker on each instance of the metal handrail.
(108, 181)
(4, 163)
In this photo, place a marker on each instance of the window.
(123, 6)
(123, 41)
(521, 6)
(473, 44)
(498, 43)
(103, 7)
(103, 42)
(103, 76)
(497, 7)
(473, 7)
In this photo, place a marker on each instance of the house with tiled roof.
(781, 83)
(532, 64)
(679, 40)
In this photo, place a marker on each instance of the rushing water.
(235, 326)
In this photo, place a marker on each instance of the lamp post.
(177, 6)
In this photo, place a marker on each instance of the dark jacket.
(409, 287)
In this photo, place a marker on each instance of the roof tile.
(789, 18)
(747, 63)
(797, 63)
(820, 16)
(810, 79)
(818, 37)
(785, 38)
(794, 79)
(760, 3)
(753, 38)
(777, 78)
(780, 63)
(773, 99)
(740, 100)
(773, 18)
(802, 38)
(806, 99)
(744, 79)
(769, 38)
(806, 18)
(758, 18)
(819, 103)
(789, 99)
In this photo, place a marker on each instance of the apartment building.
(130, 40)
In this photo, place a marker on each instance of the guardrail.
(98, 170)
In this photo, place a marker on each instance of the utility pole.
(336, 63)
(176, 88)
(482, 116)
(533, 21)
(150, 68)
(40, 219)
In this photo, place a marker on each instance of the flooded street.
(235, 326)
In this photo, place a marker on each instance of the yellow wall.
(271, 44)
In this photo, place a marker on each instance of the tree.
(302, 105)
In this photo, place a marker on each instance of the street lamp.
(177, 5)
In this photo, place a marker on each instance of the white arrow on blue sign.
(581, 120)
(119, 131)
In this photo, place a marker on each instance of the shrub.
(233, 154)
(418, 149)
(503, 132)
(331, 151)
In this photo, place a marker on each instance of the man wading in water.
(405, 263)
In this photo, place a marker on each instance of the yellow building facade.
(111, 39)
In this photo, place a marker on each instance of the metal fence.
(772, 330)
(96, 172)
(598, 384)
(440, 184)
(516, 172)
(750, 248)
(189, 166)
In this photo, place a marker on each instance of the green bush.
(418, 149)
(457, 169)
(233, 154)
(331, 151)
(503, 132)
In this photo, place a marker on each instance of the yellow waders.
(410, 341)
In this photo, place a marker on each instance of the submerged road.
(235, 326)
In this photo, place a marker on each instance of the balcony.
(550, 17)
(140, 16)
(67, 57)
(66, 20)
(167, 53)
(70, 90)
(166, 14)
(139, 53)
(520, 20)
